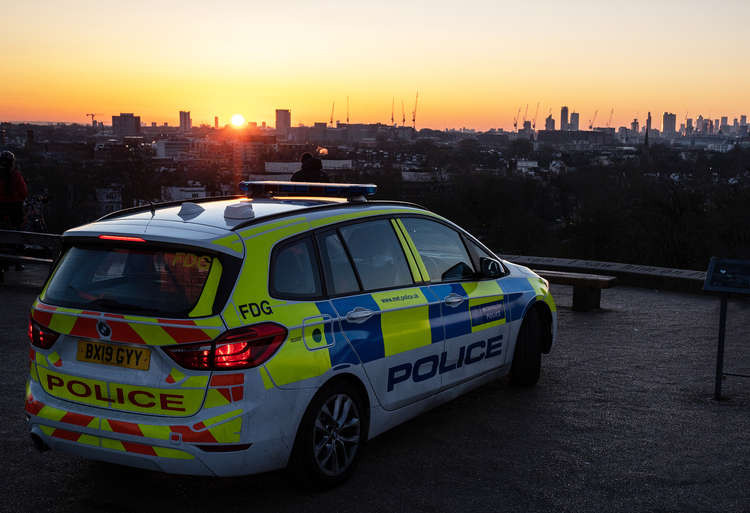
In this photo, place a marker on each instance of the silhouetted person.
(311, 171)
(13, 192)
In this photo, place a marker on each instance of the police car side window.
(294, 271)
(339, 275)
(441, 248)
(377, 254)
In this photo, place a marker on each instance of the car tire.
(330, 438)
(527, 358)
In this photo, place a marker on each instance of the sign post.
(726, 277)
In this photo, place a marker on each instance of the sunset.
(385, 256)
(473, 63)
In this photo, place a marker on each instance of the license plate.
(113, 354)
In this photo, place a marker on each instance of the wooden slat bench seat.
(587, 288)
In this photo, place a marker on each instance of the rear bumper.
(171, 445)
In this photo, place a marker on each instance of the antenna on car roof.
(354, 192)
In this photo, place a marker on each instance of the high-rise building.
(724, 123)
(634, 126)
(126, 124)
(283, 121)
(669, 124)
(574, 122)
(564, 118)
(216, 122)
(743, 120)
(549, 123)
(186, 124)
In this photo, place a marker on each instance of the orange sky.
(473, 62)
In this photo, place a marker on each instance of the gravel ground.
(621, 420)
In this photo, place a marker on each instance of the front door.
(388, 320)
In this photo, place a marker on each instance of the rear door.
(388, 318)
(472, 309)
(115, 308)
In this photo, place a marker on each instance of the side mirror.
(490, 268)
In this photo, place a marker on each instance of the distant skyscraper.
(724, 122)
(634, 126)
(216, 122)
(564, 118)
(689, 126)
(743, 120)
(186, 124)
(283, 121)
(574, 121)
(669, 124)
(126, 124)
(549, 123)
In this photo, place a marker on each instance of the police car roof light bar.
(351, 191)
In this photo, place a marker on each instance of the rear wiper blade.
(106, 302)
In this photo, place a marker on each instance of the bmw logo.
(103, 328)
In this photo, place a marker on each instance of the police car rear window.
(129, 280)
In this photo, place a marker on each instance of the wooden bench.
(587, 288)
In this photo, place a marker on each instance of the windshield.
(124, 280)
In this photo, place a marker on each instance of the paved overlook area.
(622, 420)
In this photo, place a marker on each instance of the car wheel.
(527, 358)
(330, 438)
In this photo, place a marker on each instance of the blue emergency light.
(259, 189)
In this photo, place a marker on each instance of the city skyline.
(473, 65)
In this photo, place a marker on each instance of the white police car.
(235, 336)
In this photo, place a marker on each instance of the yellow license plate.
(113, 354)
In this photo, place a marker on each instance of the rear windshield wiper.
(106, 302)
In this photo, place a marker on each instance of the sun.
(238, 120)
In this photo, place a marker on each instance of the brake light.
(192, 356)
(121, 238)
(41, 337)
(241, 348)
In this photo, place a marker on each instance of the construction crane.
(347, 110)
(403, 114)
(414, 112)
(536, 114)
(515, 119)
(333, 106)
(525, 113)
(393, 106)
(93, 118)
(593, 120)
(611, 113)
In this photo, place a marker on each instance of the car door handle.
(453, 300)
(359, 315)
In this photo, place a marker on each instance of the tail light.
(41, 337)
(241, 348)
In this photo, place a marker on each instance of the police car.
(282, 329)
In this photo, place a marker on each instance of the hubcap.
(336, 434)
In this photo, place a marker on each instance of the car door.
(472, 307)
(387, 319)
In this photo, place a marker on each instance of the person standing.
(13, 192)
(311, 171)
